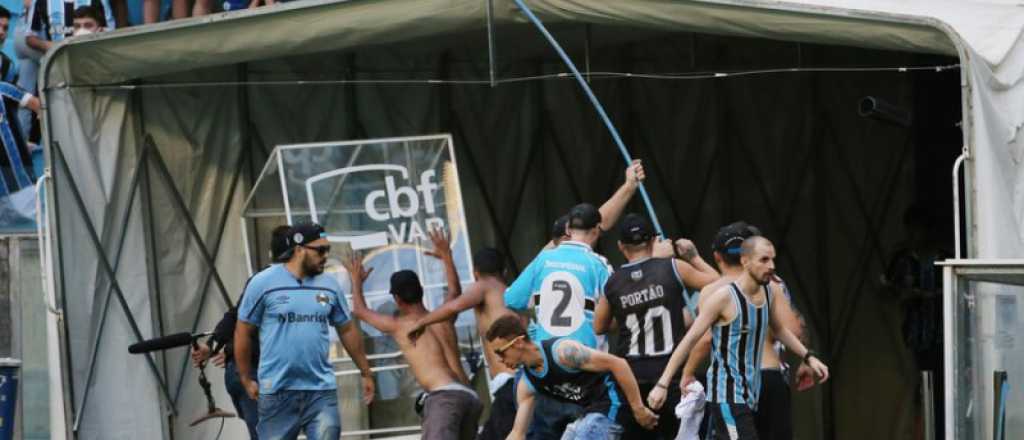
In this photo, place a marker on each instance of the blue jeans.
(287, 412)
(593, 426)
(245, 406)
(551, 416)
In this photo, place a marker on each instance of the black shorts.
(774, 417)
(730, 421)
(668, 423)
(503, 413)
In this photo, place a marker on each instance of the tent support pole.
(133, 189)
(956, 200)
(492, 69)
(65, 337)
(597, 105)
(105, 263)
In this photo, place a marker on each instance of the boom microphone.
(165, 342)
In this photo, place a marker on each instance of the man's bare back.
(428, 358)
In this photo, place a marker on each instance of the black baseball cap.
(635, 229)
(730, 237)
(584, 216)
(305, 233)
(280, 247)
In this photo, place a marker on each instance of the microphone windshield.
(161, 343)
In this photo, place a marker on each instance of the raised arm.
(574, 355)
(613, 207)
(473, 297)
(524, 410)
(792, 343)
(692, 269)
(443, 251)
(358, 274)
(710, 310)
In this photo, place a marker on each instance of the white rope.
(675, 76)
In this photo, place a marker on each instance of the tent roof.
(330, 25)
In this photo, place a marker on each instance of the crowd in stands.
(43, 24)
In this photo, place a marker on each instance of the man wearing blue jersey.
(562, 286)
(740, 314)
(564, 369)
(773, 417)
(292, 306)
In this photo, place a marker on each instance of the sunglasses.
(500, 351)
(322, 250)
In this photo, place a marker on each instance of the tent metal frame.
(149, 155)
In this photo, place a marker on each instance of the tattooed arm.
(575, 356)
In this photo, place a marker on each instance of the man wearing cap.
(647, 297)
(773, 419)
(562, 286)
(223, 339)
(738, 315)
(291, 306)
(451, 408)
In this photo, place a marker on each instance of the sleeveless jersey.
(647, 298)
(735, 372)
(595, 392)
(562, 285)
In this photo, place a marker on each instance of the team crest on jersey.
(322, 299)
(636, 275)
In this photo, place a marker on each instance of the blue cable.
(597, 105)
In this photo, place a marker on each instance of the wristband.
(807, 356)
(659, 385)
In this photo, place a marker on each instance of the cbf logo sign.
(398, 205)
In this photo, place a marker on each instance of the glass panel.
(989, 346)
(379, 198)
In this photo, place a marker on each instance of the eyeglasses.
(500, 351)
(322, 250)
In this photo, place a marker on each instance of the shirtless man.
(773, 418)
(740, 314)
(451, 408)
(486, 297)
